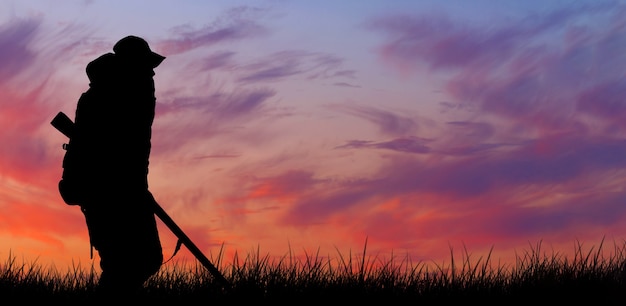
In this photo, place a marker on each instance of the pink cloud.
(31, 159)
(466, 183)
(284, 187)
(544, 76)
(26, 158)
(34, 219)
(498, 224)
(554, 162)
(25, 89)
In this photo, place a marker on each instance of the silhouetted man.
(111, 148)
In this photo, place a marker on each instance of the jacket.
(110, 148)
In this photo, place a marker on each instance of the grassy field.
(536, 277)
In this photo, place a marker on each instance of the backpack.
(70, 186)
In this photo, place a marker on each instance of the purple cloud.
(208, 36)
(576, 215)
(445, 43)
(441, 42)
(284, 64)
(218, 60)
(16, 37)
(504, 224)
(236, 24)
(409, 145)
(550, 163)
(464, 138)
(470, 148)
(30, 56)
(275, 67)
(539, 71)
(344, 84)
(472, 131)
(241, 102)
(206, 116)
(544, 162)
(351, 74)
(218, 104)
(607, 101)
(388, 122)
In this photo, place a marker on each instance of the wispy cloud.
(605, 101)
(551, 163)
(344, 84)
(530, 145)
(236, 24)
(291, 63)
(217, 60)
(408, 145)
(517, 70)
(219, 105)
(16, 36)
(274, 67)
(206, 117)
(241, 103)
(262, 193)
(445, 43)
(28, 75)
(388, 122)
(38, 222)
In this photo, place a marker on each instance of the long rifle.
(65, 125)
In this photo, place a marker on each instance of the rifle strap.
(179, 243)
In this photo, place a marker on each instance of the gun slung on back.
(64, 124)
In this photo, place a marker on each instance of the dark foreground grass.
(594, 276)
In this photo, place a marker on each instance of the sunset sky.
(305, 125)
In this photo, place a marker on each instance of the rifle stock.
(65, 125)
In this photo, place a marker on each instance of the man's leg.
(128, 243)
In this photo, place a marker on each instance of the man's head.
(136, 49)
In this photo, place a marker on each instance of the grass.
(535, 277)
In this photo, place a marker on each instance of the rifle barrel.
(158, 210)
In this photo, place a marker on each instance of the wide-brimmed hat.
(136, 48)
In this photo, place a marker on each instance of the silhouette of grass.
(359, 278)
